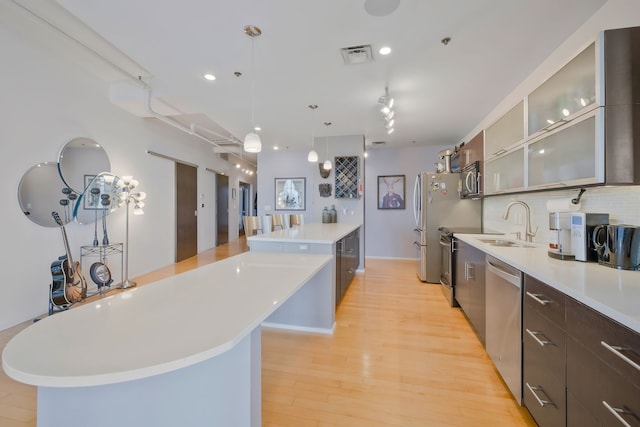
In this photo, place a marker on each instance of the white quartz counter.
(161, 327)
(614, 293)
(319, 233)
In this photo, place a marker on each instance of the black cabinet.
(469, 285)
(603, 372)
(347, 262)
(544, 346)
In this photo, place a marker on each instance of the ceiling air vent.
(378, 142)
(357, 54)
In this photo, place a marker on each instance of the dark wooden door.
(222, 208)
(186, 211)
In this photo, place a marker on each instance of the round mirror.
(41, 192)
(80, 160)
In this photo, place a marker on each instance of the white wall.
(389, 232)
(46, 101)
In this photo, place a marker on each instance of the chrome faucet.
(527, 232)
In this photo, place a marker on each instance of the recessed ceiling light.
(275, 147)
(386, 50)
(257, 128)
(209, 77)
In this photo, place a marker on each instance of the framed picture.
(92, 191)
(391, 194)
(290, 194)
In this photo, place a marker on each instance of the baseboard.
(391, 258)
(299, 328)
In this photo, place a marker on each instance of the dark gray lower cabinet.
(580, 368)
(544, 361)
(469, 265)
(347, 262)
(603, 372)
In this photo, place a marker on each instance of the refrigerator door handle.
(416, 201)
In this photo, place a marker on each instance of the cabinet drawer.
(545, 400)
(595, 384)
(546, 300)
(616, 345)
(544, 345)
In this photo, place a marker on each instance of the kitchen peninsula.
(341, 240)
(185, 350)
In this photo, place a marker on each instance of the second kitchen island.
(341, 240)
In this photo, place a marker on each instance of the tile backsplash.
(621, 203)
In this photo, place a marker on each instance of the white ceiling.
(441, 92)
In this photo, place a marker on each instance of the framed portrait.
(92, 191)
(391, 192)
(290, 194)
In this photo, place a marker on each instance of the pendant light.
(252, 143)
(313, 155)
(327, 163)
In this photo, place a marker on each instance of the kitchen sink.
(506, 243)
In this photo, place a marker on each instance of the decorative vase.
(326, 216)
(333, 214)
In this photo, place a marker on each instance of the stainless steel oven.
(446, 265)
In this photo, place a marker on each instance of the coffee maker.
(582, 229)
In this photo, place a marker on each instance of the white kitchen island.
(183, 351)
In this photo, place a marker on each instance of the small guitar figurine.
(69, 285)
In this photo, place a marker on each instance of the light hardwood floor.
(399, 357)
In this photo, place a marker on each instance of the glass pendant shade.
(313, 156)
(327, 165)
(252, 143)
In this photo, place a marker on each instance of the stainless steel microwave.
(470, 181)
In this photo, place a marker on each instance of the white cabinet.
(569, 156)
(566, 95)
(505, 173)
(506, 132)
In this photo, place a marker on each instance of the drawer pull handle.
(616, 413)
(534, 335)
(542, 402)
(617, 350)
(536, 298)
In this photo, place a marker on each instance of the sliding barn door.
(186, 211)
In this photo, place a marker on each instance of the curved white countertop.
(614, 293)
(160, 327)
(308, 233)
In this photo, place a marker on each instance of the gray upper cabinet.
(567, 94)
(581, 124)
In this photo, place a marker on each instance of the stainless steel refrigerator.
(437, 203)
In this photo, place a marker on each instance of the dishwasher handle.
(511, 278)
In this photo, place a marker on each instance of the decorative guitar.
(69, 285)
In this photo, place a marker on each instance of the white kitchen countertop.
(308, 233)
(160, 327)
(614, 293)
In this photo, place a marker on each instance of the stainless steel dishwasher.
(503, 322)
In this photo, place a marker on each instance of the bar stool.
(252, 225)
(278, 220)
(296, 219)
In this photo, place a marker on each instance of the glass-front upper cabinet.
(506, 132)
(505, 173)
(567, 94)
(569, 156)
